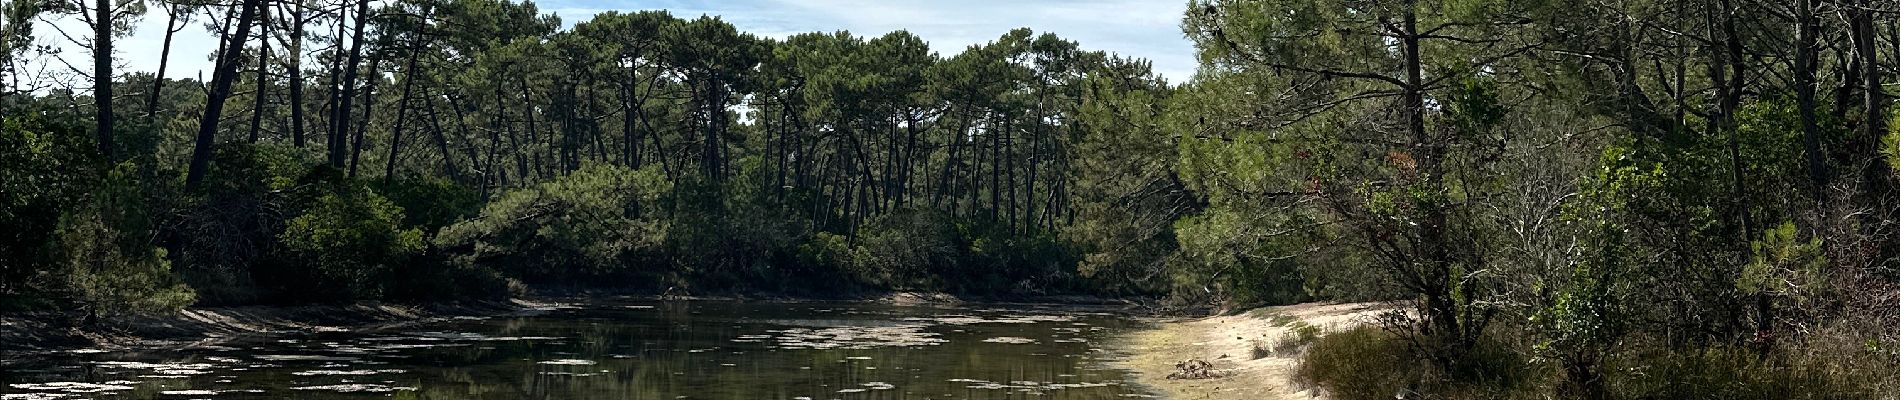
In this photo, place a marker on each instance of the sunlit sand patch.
(1010, 340)
(567, 362)
(70, 387)
(355, 388)
(358, 372)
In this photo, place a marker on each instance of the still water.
(635, 350)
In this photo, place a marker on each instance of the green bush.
(111, 265)
(432, 203)
(45, 168)
(1732, 373)
(1371, 363)
(349, 242)
(1359, 363)
(224, 237)
(910, 250)
(596, 222)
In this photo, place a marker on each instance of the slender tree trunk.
(369, 108)
(263, 76)
(221, 78)
(295, 69)
(340, 127)
(164, 58)
(102, 74)
(402, 115)
(441, 141)
(1873, 114)
(1435, 281)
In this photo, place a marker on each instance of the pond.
(628, 349)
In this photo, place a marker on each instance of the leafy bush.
(349, 243)
(1731, 373)
(595, 222)
(44, 169)
(432, 203)
(1371, 363)
(910, 250)
(110, 262)
(224, 238)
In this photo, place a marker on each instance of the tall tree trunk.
(442, 142)
(164, 58)
(1873, 114)
(340, 126)
(263, 76)
(369, 108)
(102, 74)
(221, 78)
(295, 69)
(402, 115)
(1436, 281)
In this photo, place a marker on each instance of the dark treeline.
(1581, 199)
(422, 149)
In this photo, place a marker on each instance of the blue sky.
(1140, 28)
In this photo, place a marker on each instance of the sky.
(1139, 28)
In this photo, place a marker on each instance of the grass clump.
(1370, 363)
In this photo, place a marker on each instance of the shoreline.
(27, 334)
(1252, 354)
(24, 335)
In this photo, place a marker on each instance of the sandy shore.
(1229, 342)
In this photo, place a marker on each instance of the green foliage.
(1370, 363)
(1743, 374)
(1784, 265)
(432, 203)
(44, 167)
(598, 221)
(349, 241)
(110, 261)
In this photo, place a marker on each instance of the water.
(634, 350)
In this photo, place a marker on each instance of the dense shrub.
(1738, 373)
(225, 237)
(44, 168)
(1372, 363)
(109, 260)
(596, 222)
(431, 203)
(348, 244)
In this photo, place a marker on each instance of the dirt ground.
(1228, 343)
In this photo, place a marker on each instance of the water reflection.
(635, 350)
